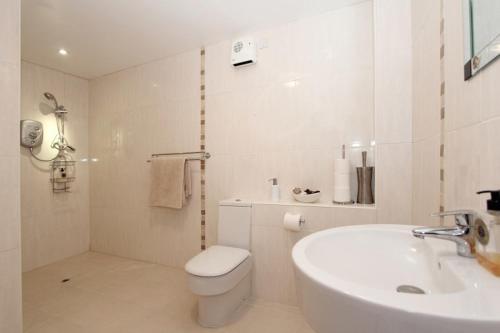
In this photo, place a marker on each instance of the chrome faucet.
(462, 234)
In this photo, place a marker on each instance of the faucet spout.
(441, 233)
(461, 235)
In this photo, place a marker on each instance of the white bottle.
(275, 190)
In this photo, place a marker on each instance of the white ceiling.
(104, 36)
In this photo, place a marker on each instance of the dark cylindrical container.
(365, 190)
(365, 177)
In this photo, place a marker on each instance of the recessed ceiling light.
(292, 84)
(63, 52)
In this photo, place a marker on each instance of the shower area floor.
(96, 293)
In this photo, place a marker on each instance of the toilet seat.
(218, 269)
(217, 260)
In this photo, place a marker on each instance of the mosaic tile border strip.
(202, 148)
(442, 111)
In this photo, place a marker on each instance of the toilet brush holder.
(365, 188)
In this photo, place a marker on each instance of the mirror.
(481, 33)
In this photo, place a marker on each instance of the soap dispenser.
(275, 190)
(487, 232)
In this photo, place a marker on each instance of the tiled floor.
(111, 294)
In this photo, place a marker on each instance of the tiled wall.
(426, 17)
(472, 123)
(54, 225)
(471, 116)
(287, 116)
(272, 127)
(393, 110)
(311, 91)
(10, 220)
(273, 273)
(152, 108)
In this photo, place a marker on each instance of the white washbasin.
(348, 279)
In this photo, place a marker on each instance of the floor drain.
(65, 280)
(410, 290)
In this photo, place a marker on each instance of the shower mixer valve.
(31, 133)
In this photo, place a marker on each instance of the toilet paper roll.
(292, 222)
(342, 166)
(341, 180)
(342, 194)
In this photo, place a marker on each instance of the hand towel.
(187, 180)
(170, 182)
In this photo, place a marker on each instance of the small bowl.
(307, 198)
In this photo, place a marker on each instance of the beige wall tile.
(10, 222)
(393, 76)
(426, 18)
(394, 184)
(9, 156)
(393, 110)
(280, 116)
(9, 197)
(273, 276)
(10, 291)
(490, 157)
(9, 99)
(426, 69)
(152, 108)
(462, 167)
(54, 225)
(273, 273)
(287, 117)
(426, 181)
(471, 154)
(10, 31)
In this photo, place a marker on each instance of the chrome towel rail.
(203, 155)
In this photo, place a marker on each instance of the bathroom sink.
(379, 278)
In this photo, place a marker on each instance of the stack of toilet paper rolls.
(342, 181)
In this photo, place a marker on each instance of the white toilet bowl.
(220, 277)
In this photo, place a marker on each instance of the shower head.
(58, 108)
(52, 98)
(49, 96)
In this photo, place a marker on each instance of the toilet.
(220, 275)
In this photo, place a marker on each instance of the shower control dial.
(31, 133)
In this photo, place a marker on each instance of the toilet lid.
(217, 260)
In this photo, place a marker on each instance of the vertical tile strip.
(442, 112)
(202, 146)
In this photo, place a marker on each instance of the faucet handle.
(463, 217)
